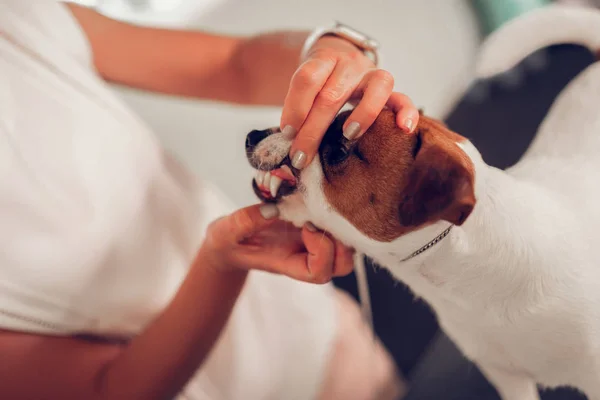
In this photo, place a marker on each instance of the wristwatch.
(369, 46)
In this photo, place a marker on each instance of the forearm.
(265, 65)
(158, 363)
(193, 64)
(154, 366)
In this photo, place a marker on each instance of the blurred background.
(430, 47)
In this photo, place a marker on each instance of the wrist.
(263, 65)
(365, 44)
(217, 267)
(333, 42)
(222, 279)
(227, 277)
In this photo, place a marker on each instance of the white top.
(98, 225)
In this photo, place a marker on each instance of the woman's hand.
(337, 72)
(254, 238)
(144, 368)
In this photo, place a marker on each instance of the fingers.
(319, 259)
(327, 102)
(344, 260)
(314, 109)
(246, 221)
(327, 257)
(407, 115)
(314, 264)
(321, 254)
(335, 72)
(376, 88)
(305, 85)
(324, 258)
(376, 92)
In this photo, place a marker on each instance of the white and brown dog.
(508, 260)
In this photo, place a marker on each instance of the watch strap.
(365, 44)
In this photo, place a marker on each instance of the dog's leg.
(511, 387)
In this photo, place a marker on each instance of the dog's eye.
(337, 154)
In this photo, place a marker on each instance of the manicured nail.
(352, 130)
(408, 124)
(269, 211)
(289, 131)
(310, 227)
(299, 160)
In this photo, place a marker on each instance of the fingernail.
(299, 160)
(269, 211)
(352, 130)
(289, 131)
(311, 227)
(408, 124)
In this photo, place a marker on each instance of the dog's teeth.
(274, 185)
(287, 169)
(267, 179)
(260, 177)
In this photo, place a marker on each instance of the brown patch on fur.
(393, 183)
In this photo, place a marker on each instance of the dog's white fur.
(517, 286)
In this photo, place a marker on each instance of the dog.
(508, 260)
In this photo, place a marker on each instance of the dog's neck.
(482, 260)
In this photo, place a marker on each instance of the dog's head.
(385, 184)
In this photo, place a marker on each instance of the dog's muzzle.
(268, 152)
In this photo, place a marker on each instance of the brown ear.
(439, 184)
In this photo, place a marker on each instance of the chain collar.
(429, 245)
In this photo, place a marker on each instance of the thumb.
(250, 220)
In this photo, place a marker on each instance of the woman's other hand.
(254, 238)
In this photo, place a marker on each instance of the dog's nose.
(255, 137)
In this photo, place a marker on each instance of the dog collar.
(429, 245)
